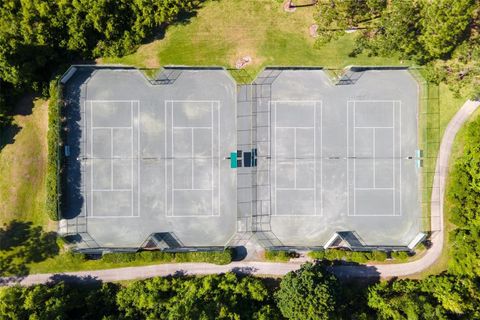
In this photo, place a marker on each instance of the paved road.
(278, 269)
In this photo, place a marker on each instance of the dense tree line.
(310, 293)
(443, 35)
(36, 36)
(464, 194)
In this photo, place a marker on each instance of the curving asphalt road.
(278, 269)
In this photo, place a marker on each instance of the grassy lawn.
(23, 165)
(225, 30)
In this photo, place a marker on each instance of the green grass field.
(226, 30)
(23, 165)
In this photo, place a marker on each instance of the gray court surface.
(152, 158)
(338, 157)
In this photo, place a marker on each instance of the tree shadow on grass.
(22, 243)
(8, 129)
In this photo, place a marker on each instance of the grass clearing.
(225, 30)
(23, 162)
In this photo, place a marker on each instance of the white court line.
(210, 101)
(192, 128)
(139, 179)
(374, 151)
(369, 127)
(373, 160)
(219, 155)
(275, 145)
(348, 159)
(361, 101)
(295, 158)
(314, 157)
(110, 190)
(166, 163)
(103, 127)
(394, 161)
(91, 153)
(354, 160)
(190, 189)
(400, 138)
(193, 159)
(312, 103)
(111, 158)
(211, 153)
(113, 101)
(288, 127)
(172, 194)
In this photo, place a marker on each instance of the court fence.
(429, 135)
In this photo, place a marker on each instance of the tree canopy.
(308, 293)
(36, 36)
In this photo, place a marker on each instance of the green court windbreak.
(233, 160)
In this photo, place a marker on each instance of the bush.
(279, 255)
(400, 255)
(379, 256)
(53, 163)
(216, 257)
(349, 256)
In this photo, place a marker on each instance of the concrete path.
(278, 269)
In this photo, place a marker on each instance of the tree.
(59, 301)
(308, 293)
(464, 194)
(211, 297)
(404, 299)
(334, 17)
(444, 25)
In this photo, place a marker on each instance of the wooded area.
(38, 36)
(309, 293)
(442, 35)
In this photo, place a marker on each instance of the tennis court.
(343, 157)
(151, 158)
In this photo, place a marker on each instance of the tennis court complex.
(191, 159)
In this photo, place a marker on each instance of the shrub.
(279, 255)
(400, 255)
(318, 255)
(379, 256)
(53, 163)
(216, 257)
(350, 256)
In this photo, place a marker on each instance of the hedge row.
(216, 257)
(350, 256)
(279, 255)
(53, 163)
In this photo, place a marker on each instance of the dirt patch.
(313, 30)
(243, 62)
(288, 6)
